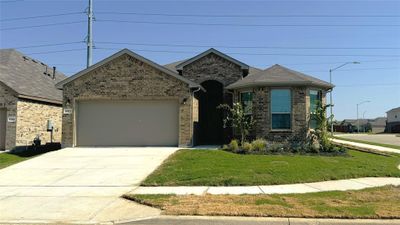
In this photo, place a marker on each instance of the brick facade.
(31, 119)
(300, 114)
(8, 101)
(127, 78)
(212, 67)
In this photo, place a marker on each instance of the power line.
(370, 85)
(243, 53)
(245, 16)
(239, 47)
(328, 63)
(247, 25)
(42, 25)
(57, 51)
(48, 45)
(378, 68)
(40, 16)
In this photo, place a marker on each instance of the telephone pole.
(89, 40)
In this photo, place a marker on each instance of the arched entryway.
(211, 129)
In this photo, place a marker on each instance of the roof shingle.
(27, 76)
(278, 75)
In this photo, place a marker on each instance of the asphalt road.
(193, 220)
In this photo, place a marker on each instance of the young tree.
(237, 119)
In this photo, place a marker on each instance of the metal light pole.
(358, 121)
(330, 93)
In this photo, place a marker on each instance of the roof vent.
(54, 72)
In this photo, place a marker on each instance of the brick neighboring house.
(28, 99)
(127, 99)
(393, 121)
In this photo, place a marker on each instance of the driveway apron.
(78, 185)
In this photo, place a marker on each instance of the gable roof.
(278, 75)
(28, 77)
(394, 109)
(172, 66)
(209, 51)
(134, 55)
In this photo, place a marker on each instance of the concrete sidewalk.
(335, 185)
(365, 146)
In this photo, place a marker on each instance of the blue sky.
(309, 49)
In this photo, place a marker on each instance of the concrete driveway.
(78, 185)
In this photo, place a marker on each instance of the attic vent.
(34, 61)
(25, 58)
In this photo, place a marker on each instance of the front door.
(3, 123)
(210, 118)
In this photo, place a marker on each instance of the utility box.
(50, 126)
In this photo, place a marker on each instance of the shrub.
(233, 146)
(259, 145)
(247, 147)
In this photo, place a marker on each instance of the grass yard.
(368, 142)
(8, 159)
(380, 203)
(218, 168)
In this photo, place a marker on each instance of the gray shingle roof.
(278, 75)
(26, 76)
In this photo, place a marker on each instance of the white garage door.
(123, 123)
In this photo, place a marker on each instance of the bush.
(233, 146)
(259, 145)
(247, 147)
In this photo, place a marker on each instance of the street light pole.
(330, 93)
(358, 121)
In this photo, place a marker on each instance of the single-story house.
(393, 121)
(128, 100)
(29, 100)
(376, 125)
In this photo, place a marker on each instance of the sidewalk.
(365, 146)
(335, 185)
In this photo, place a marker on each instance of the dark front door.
(210, 118)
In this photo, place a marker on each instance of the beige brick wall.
(32, 120)
(126, 78)
(8, 101)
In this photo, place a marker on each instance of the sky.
(308, 36)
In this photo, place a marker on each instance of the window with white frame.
(281, 108)
(246, 99)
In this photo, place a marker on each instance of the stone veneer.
(262, 114)
(212, 67)
(127, 78)
(31, 119)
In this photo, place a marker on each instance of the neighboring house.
(376, 125)
(127, 99)
(28, 100)
(393, 121)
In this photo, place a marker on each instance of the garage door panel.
(139, 123)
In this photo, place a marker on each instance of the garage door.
(122, 123)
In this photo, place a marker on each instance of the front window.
(246, 99)
(281, 108)
(315, 99)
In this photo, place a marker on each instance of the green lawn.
(373, 203)
(8, 159)
(368, 142)
(216, 168)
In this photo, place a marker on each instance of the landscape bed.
(373, 203)
(221, 168)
